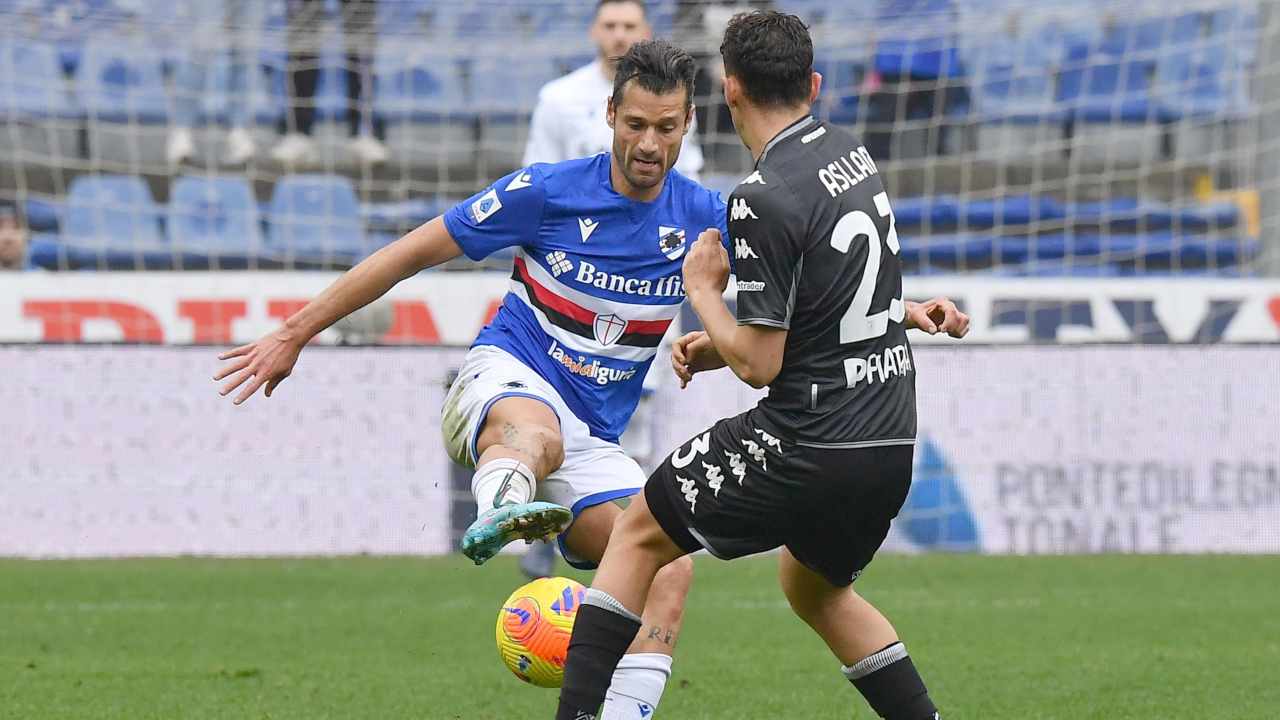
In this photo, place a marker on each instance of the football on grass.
(534, 626)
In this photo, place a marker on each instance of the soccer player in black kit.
(823, 464)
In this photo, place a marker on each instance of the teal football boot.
(530, 521)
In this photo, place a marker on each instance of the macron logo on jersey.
(520, 182)
(587, 226)
(741, 210)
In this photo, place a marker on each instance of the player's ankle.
(892, 685)
(503, 481)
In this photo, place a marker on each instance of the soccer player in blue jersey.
(550, 383)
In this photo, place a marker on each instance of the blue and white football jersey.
(597, 277)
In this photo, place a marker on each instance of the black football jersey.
(816, 252)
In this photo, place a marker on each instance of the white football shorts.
(594, 471)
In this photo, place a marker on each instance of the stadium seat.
(114, 222)
(214, 217)
(949, 252)
(419, 94)
(1011, 78)
(915, 38)
(410, 18)
(1200, 81)
(933, 214)
(1009, 210)
(842, 70)
(315, 220)
(121, 80)
(31, 81)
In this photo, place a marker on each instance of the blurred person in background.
(698, 26)
(569, 122)
(306, 18)
(569, 119)
(195, 75)
(13, 238)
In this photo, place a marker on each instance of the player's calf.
(642, 674)
(860, 635)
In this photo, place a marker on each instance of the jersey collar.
(787, 132)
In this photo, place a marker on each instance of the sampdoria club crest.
(671, 242)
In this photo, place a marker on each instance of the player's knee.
(808, 602)
(670, 588)
(676, 577)
(549, 444)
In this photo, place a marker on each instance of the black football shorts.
(738, 489)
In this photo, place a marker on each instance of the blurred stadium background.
(1096, 182)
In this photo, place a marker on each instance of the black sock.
(602, 631)
(891, 685)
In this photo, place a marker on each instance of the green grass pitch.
(1068, 637)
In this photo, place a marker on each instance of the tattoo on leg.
(666, 637)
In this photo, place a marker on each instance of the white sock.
(502, 482)
(636, 687)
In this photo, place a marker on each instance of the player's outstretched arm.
(753, 352)
(937, 315)
(270, 359)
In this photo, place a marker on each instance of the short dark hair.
(644, 9)
(13, 209)
(658, 66)
(771, 54)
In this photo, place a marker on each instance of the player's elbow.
(757, 374)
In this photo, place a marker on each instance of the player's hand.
(267, 361)
(938, 315)
(692, 353)
(706, 265)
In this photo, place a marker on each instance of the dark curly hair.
(771, 54)
(659, 67)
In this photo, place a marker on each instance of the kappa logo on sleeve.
(483, 208)
(741, 210)
(742, 250)
(754, 178)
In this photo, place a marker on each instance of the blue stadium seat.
(31, 81)
(843, 70)
(1083, 248)
(1113, 80)
(1012, 78)
(935, 212)
(915, 38)
(316, 219)
(121, 80)
(409, 18)
(68, 23)
(414, 84)
(1128, 215)
(1009, 210)
(214, 216)
(952, 252)
(1200, 81)
(115, 218)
